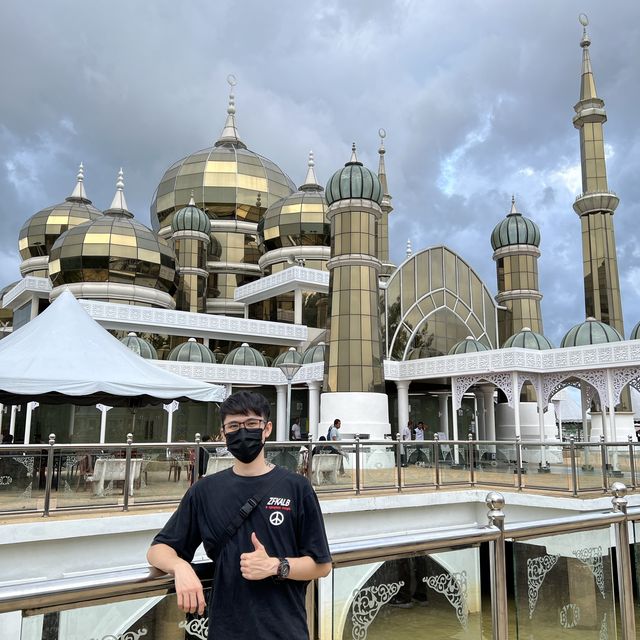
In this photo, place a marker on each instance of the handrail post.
(399, 460)
(196, 463)
(310, 459)
(604, 461)
(632, 463)
(436, 460)
(471, 459)
(127, 472)
(498, 571)
(47, 489)
(574, 470)
(519, 462)
(623, 557)
(357, 464)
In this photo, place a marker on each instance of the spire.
(192, 202)
(119, 204)
(230, 132)
(311, 182)
(382, 171)
(587, 82)
(354, 157)
(514, 210)
(409, 250)
(79, 193)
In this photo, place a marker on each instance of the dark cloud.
(476, 98)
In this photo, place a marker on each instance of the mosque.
(243, 271)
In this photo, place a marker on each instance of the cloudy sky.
(476, 98)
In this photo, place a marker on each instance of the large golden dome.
(41, 230)
(228, 181)
(115, 248)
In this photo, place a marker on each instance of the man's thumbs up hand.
(257, 565)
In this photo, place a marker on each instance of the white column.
(481, 429)
(543, 451)
(314, 407)
(297, 306)
(27, 421)
(103, 409)
(72, 421)
(612, 408)
(403, 402)
(1, 415)
(584, 407)
(489, 411)
(170, 409)
(12, 423)
(443, 412)
(515, 390)
(281, 411)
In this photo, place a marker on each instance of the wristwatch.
(283, 569)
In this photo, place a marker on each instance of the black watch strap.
(283, 569)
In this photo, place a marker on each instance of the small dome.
(515, 229)
(40, 231)
(190, 218)
(591, 331)
(527, 339)
(288, 356)
(315, 353)
(354, 181)
(635, 334)
(191, 351)
(245, 356)
(140, 346)
(299, 219)
(114, 248)
(468, 345)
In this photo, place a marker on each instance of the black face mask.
(245, 445)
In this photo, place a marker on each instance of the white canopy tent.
(64, 356)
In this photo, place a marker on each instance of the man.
(405, 434)
(419, 431)
(295, 433)
(334, 431)
(263, 567)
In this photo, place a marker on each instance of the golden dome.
(116, 249)
(299, 219)
(41, 230)
(228, 181)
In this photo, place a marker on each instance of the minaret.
(386, 206)
(191, 231)
(596, 204)
(515, 241)
(354, 381)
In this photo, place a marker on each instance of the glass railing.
(57, 477)
(549, 579)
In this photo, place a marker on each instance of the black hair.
(335, 422)
(206, 438)
(322, 438)
(242, 403)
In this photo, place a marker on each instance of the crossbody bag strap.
(249, 506)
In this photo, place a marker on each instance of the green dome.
(515, 229)
(354, 181)
(245, 356)
(468, 345)
(143, 348)
(315, 353)
(527, 339)
(190, 218)
(191, 351)
(591, 331)
(288, 356)
(635, 334)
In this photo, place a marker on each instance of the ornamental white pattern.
(366, 604)
(454, 588)
(569, 616)
(621, 378)
(592, 558)
(537, 570)
(503, 381)
(196, 627)
(604, 629)
(129, 635)
(5, 481)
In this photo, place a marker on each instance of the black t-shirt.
(288, 522)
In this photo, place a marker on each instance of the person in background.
(334, 430)
(204, 455)
(405, 435)
(419, 431)
(294, 432)
(7, 438)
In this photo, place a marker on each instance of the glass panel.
(156, 617)
(564, 586)
(453, 458)
(19, 490)
(495, 465)
(378, 464)
(546, 466)
(618, 467)
(402, 599)
(589, 466)
(420, 468)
